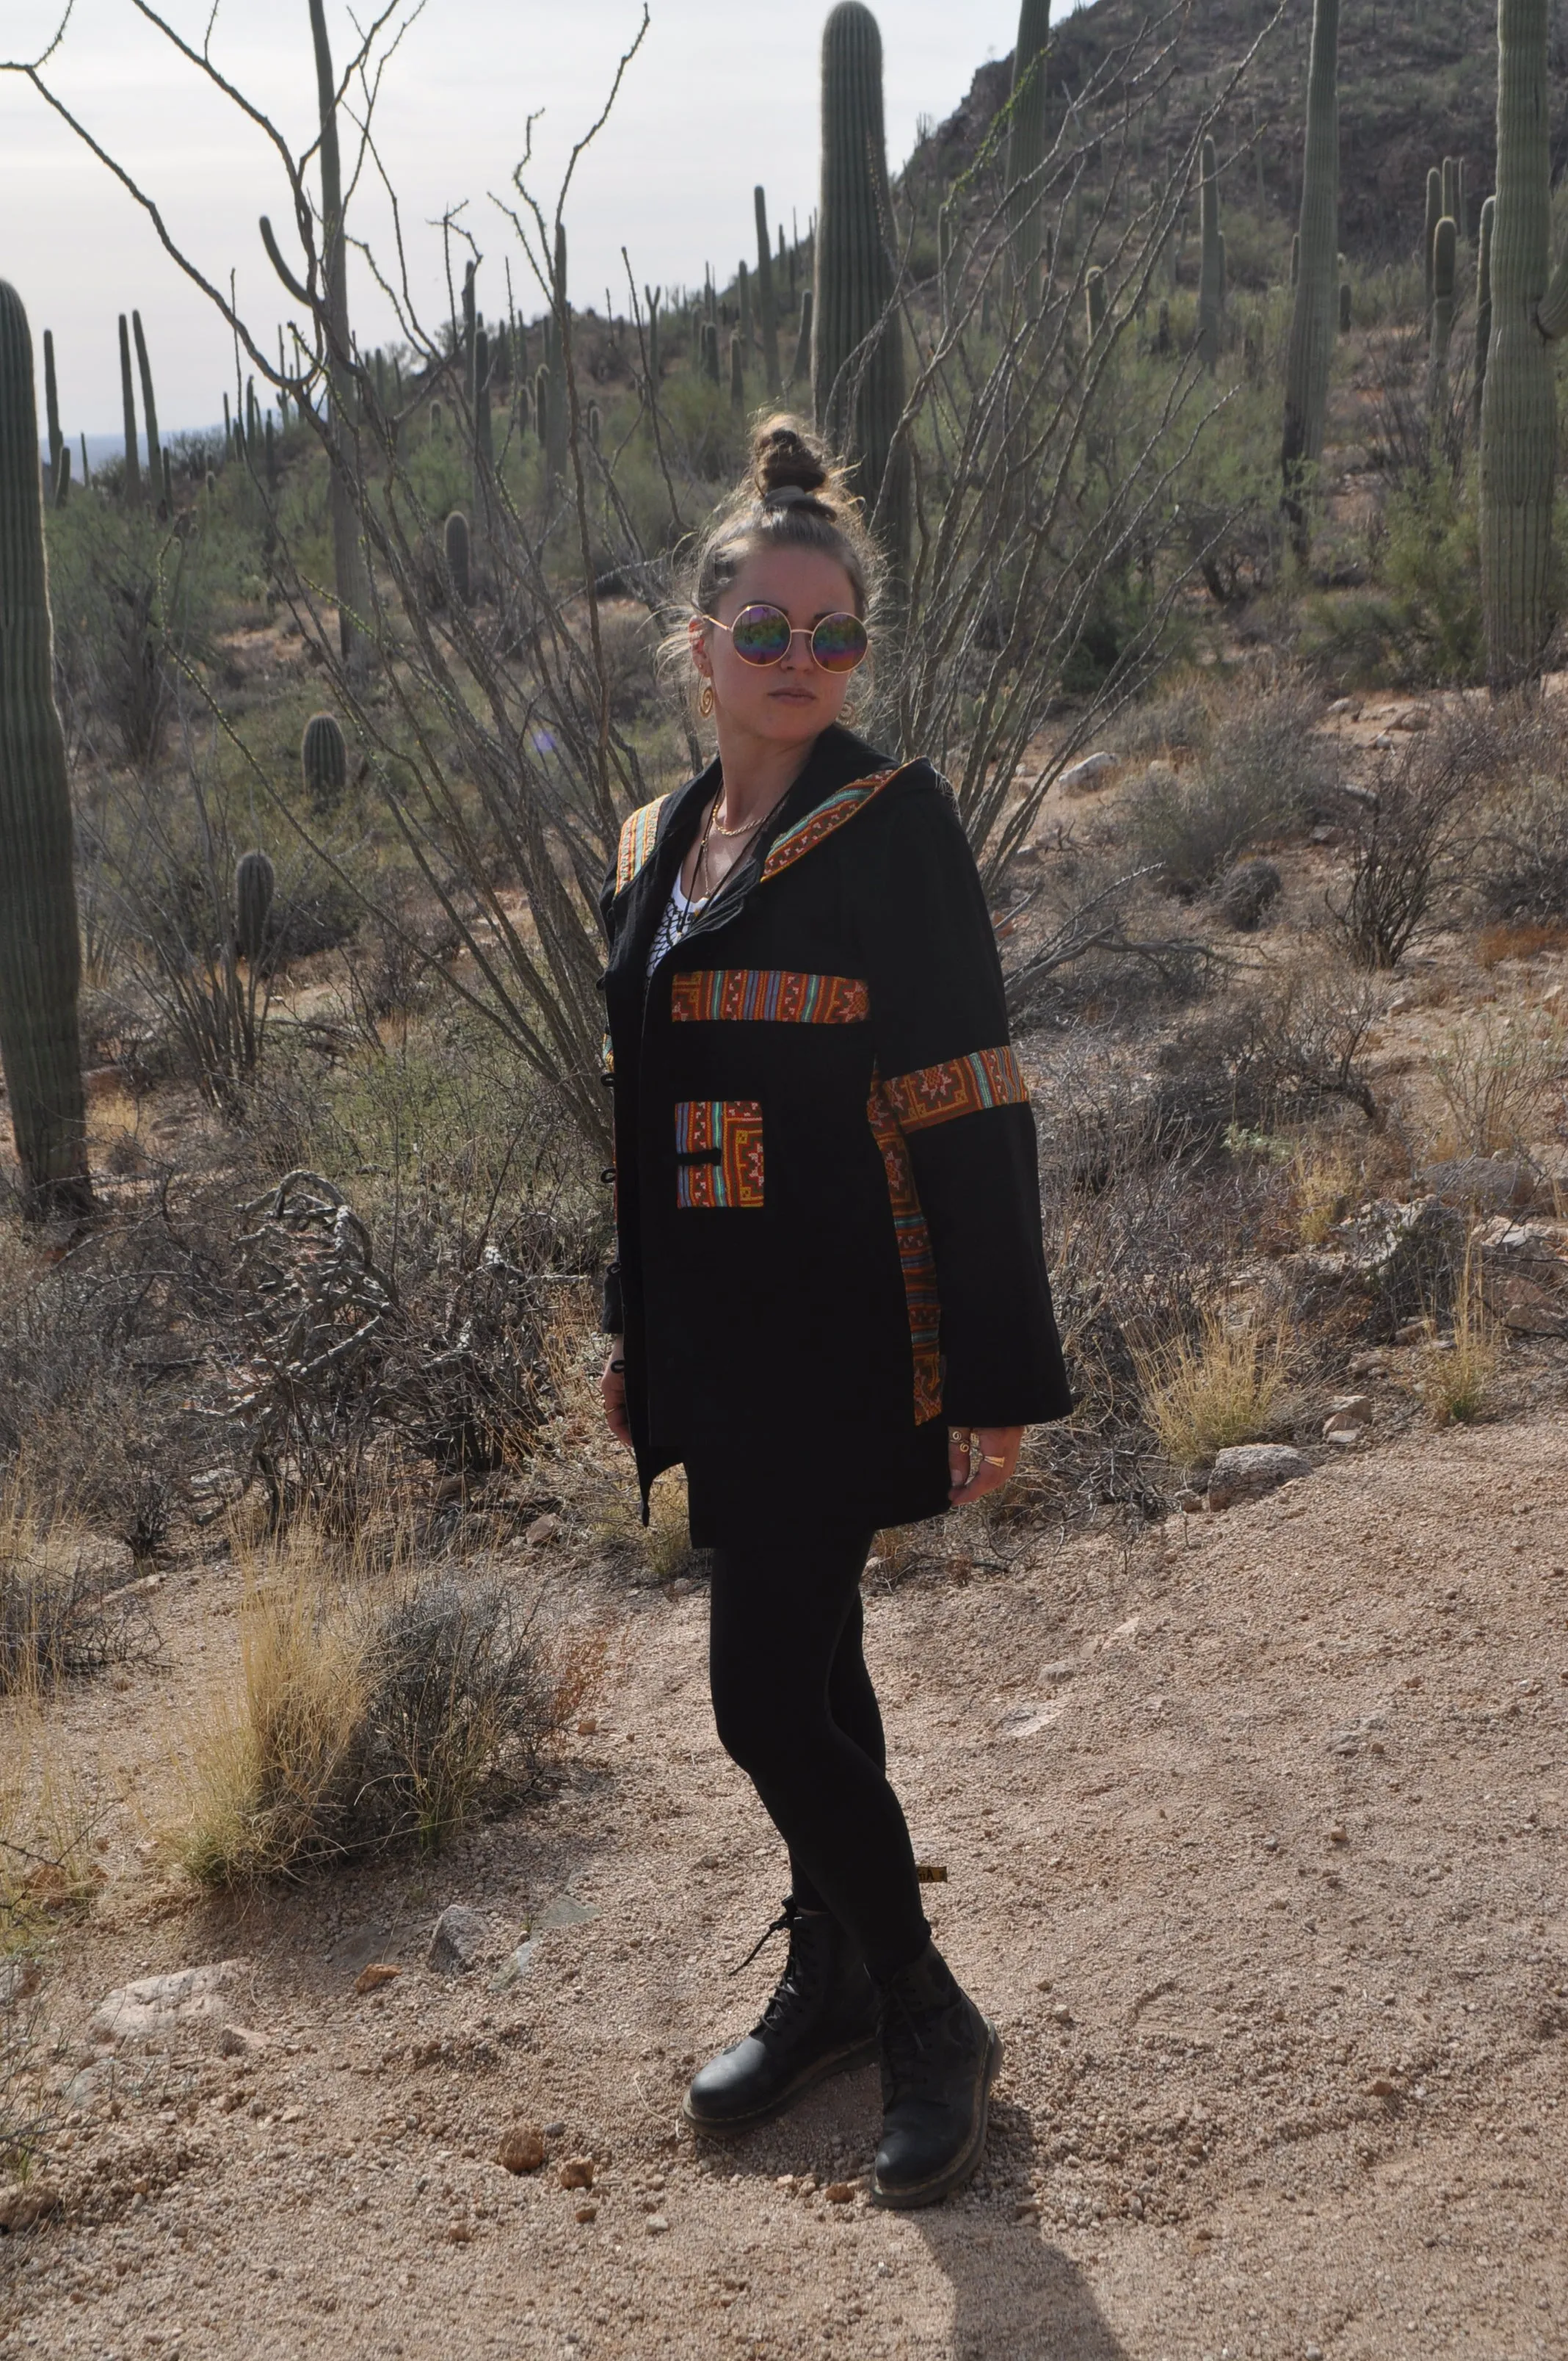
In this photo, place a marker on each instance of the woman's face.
(791, 701)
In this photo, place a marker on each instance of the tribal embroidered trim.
(808, 833)
(916, 1258)
(986, 1078)
(719, 1152)
(637, 836)
(767, 996)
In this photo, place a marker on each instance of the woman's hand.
(998, 1447)
(612, 1391)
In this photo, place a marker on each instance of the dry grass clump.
(1518, 938)
(1205, 1391)
(369, 1717)
(1496, 1077)
(1455, 1374)
(46, 1864)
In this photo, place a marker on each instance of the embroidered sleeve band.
(986, 1078)
(767, 994)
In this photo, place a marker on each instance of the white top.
(679, 912)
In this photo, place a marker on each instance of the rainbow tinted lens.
(840, 643)
(760, 634)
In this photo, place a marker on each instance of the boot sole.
(837, 2061)
(954, 2175)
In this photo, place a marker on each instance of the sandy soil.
(1253, 1837)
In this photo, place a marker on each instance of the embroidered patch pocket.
(719, 1152)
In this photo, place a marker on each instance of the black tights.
(794, 1707)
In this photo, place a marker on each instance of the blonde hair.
(793, 496)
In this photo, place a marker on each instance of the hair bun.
(786, 456)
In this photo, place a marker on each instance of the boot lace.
(791, 1992)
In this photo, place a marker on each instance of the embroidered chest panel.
(825, 821)
(637, 839)
(767, 996)
(719, 1152)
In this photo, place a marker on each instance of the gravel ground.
(1254, 1846)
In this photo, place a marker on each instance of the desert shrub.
(1497, 1076)
(1205, 1390)
(1521, 868)
(1176, 721)
(1265, 771)
(1407, 838)
(58, 1615)
(363, 1721)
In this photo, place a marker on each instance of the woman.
(828, 1302)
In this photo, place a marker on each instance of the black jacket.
(827, 1208)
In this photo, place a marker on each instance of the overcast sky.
(719, 97)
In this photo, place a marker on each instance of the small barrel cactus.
(458, 545)
(255, 881)
(323, 760)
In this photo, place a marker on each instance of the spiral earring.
(705, 701)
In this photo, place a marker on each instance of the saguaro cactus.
(323, 760)
(652, 296)
(41, 957)
(767, 303)
(129, 404)
(457, 542)
(51, 410)
(710, 351)
(484, 442)
(737, 371)
(556, 326)
(1311, 347)
(255, 881)
(1210, 284)
(800, 359)
(1428, 232)
(857, 348)
(1484, 302)
(1450, 192)
(1443, 253)
(1026, 150)
(1519, 407)
(1094, 302)
(148, 410)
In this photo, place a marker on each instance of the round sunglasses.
(763, 635)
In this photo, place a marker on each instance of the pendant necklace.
(712, 825)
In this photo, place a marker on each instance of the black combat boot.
(821, 2020)
(939, 2059)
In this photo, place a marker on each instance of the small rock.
(1247, 1470)
(1367, 1365)
(839, 2193)
(460, 2234)
(656, 2224)
(378, 1973)
(1061, 2014)
(543, 1530)
(155, 2008)
(1028, 2209)
(1492, 1184)
(554, 2130)
(458, 1940)
(240, 2041)
(1382, 2087)
(587, 2214)
(522, 2148)
(514, 1967)
(577, 2172)
(567, 1911)
(1078, 778)
(1413, 717)
(1337, 1835)
(24, 2208)
(19, 1979)
(588, 1723)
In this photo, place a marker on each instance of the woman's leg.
(781, 1613)
(852, 1701)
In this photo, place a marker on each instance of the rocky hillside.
(1416, 84)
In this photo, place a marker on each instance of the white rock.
(1080, 776)
(155, 2008)
(1247, 1470)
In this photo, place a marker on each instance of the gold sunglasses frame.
(796, 632)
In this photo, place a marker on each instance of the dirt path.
(1254, 1849)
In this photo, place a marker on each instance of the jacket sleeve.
(948, 1075)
